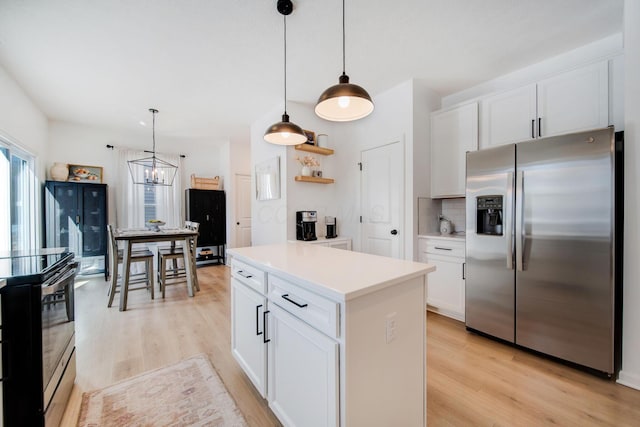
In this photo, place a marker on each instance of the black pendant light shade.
(345, 101)
(285, 132)
(152, 170)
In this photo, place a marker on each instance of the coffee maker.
(330, 222)
(306, 225)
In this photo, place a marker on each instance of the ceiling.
(213, 67)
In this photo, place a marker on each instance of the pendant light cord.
(343, 44)
(153, 132)
(285, 63)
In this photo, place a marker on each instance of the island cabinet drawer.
(249, 275)
(445, 247)
(318, 311)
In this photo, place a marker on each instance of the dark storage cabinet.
(207, 207)
(76, 218)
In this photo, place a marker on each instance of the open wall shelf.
(317, 180)
(314, 149)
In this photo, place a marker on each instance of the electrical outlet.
(390, 327)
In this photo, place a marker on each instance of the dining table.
(131, 236)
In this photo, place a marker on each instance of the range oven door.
(58, 341)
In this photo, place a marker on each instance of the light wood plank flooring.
(471, 380)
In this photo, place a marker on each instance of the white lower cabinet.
(445, 286)
(330, 361)
(303, 372)
(338, 242)
(247, 334)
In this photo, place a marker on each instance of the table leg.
(126, 265)
(188, 266)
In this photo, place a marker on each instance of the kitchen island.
(331, 337)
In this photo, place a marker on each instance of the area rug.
(189, 393)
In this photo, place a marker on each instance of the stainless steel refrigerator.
(541, 246)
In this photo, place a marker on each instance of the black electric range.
(38, 335)
(38, 266)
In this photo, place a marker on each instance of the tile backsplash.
(454, 211)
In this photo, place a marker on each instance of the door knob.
(237, 223)
(394, 232)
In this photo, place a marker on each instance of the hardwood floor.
(113, 345)
(471, 380)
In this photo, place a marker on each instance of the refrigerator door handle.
(520, 220)
(508, 220)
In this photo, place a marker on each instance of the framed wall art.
(268, 179)
(83, 173)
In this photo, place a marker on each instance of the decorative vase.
(59, 172)
(305, 171)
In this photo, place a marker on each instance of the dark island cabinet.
(76, 218)
(208, 208)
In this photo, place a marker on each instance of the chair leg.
(114, 284)
(150, 281)
(163, 277)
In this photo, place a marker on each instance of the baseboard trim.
(449, 313)
(629, 379)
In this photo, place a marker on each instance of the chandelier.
(152, 170)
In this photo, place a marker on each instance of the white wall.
(235, 158)
(86, 145)
(269, 217)
(305, 196)
(274, 220)
(21, 122)
(425, 101)
(401, 115)
(630, 373)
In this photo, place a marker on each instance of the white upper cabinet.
(453, 133)
(508, 117)
(574, 101)
(570, 102)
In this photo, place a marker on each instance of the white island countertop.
(336, 273)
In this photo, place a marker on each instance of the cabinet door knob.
(394, 232)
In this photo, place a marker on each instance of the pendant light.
(152, 170)
(285, 132)
(345, 101)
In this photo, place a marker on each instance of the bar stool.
(137, 255)
(176, 274)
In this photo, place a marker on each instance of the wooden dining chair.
(142, 280)
(172, 274)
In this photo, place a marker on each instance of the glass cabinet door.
(93, 221)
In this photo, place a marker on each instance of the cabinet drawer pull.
(258, 320)
(540, 127)
(245, 275)
(442, 249)
(286, 296)
(264, 325)
(533, 128)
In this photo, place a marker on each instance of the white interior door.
(243, 210)
(383, 200)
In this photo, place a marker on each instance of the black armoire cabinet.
(76, 217)
(207, 207)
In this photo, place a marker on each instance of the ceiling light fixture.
(345, 101)
(285, 132)
(152, 170)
